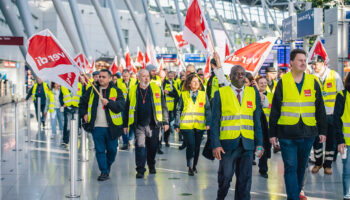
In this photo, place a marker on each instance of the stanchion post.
(38, 114)
(16, 128)
(73, 157)
(84, 157)
(29, 137)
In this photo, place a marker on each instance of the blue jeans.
(103, 143)
(56, 115)
(295, 155)
(346, 174)
(128, 137)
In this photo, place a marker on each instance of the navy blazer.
(234, 143)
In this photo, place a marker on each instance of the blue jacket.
(233, 144)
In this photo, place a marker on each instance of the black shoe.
(254, 163)
(167, 144)
(160, 151)
(195, 170)
(64, 145)
(152, 170)
(264, 174)
(190, 171)
(103, 177)
(139, 175)
(182, 147)
(124, 147)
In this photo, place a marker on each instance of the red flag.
(227, 50)
(252, 57)
(114, 68)
(82, 61)
(50, 61)
(318, 49)
(179, 40)
(161, 65)
(121, 67)
(91, 68)
(196, 28)
(127, 59)
(207, 68)
(140, 59)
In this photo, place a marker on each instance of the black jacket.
(116, 106)
(158, 123)
(299, 130)
(338, 113)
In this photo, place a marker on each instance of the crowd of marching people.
(245, 119)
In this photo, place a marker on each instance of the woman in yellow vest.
(193, 117)
(55, 108)
(342, 128)
(266, 101)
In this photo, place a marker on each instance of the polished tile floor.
(41, 171)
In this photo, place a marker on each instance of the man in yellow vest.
(153, 75)
(331, 83)
(236, 132)
(146, 112)
(271, 76)
(39, 90)
(297, 117)
(103, 118)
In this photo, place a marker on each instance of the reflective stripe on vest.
(46, 90)
(169, 100)
(329, 90)
(117, 118)
(268, 109)
(237, 119)
(157, 102)
(76, 97)
(346, 118)
(193, 114)
(67, 99)
(295, 104)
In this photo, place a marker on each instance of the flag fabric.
(318, 49)
(196, 28)
(251, 57)
(91, 68)
(140, 60)
(161, 65)
(82, 62)
(179, 40)
(128, 59)
(227, 50)
(207, 68)
(150, 54)
(114, 67)
(50, 61)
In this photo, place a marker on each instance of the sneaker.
(103, 177)
(264, 174)
(125, 147)
(315, 169)
(190, 171)
(64, 145)
(167, 144)
(328, 171)
(152, 170)
(254, 163)
(276, 149)
(183, 146)
(139, 175)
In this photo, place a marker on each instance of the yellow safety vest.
(268, 110)
(76, 97)
(345, 118)
(157, 102)
(214, 87)
(295, 104)
(273, 89)
(329, 90)
(113, 95)
(193, 114)
(122, 86)
(46, 90)
(67, 99)
(52, 101)
(157, 81)
(169, 100)
(237, 119)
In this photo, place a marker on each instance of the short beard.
(144, 84)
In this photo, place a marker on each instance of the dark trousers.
(239, 161)
(295, 155)
(171, 127)
(106, 148)
(331, 146)
(67, 116)
(42, 112)
(263, 168)
(193, 140)
(146, 146)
